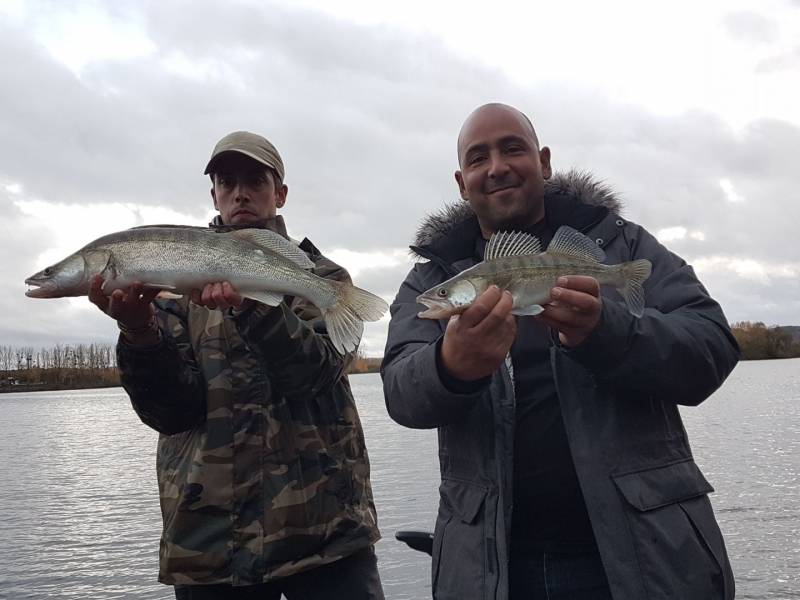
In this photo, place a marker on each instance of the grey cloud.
(774, 303)
(366, 120)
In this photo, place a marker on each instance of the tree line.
(759, 341)
(84, 365)
(80, 356)
(59, 367)
(90, 365)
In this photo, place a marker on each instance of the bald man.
(566, 470)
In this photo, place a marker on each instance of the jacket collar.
(574, 198)
(275, 224)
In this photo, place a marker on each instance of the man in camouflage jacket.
(262, 467)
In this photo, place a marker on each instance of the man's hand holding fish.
(574, 310)
(477, 341)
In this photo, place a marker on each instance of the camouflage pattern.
(262, 466)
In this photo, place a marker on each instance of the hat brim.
(217, 156)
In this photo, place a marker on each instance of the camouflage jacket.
(262, 467)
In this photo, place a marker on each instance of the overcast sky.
(689, 110)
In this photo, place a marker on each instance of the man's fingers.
(232, 297)
(575, 300)
(116, 302)
(218, 295)
(96, 295)
(481, 307)
(499, 315)
(580, 283)
(149, 294)
(207, 297)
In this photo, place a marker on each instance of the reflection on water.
(746, 438)
(79, 513)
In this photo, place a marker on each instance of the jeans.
(558, 576)
(352, 578)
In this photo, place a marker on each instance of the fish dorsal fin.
(274, 242)
(511, 243)
(568, 242)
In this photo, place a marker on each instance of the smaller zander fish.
(514, 261)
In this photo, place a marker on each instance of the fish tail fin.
(345, 319)
(634, 274)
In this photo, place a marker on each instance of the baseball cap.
(255, 146)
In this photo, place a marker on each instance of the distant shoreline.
(87, 385)
(20, 388)
(44, 387)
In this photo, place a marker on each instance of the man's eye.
(475, 159)
(256, 179)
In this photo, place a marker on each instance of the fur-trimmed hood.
(580, 185)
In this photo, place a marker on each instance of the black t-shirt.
(549, 510)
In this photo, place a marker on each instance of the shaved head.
(502, 169)
(495, 107)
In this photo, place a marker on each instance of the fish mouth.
(38, 289)
(435, 308)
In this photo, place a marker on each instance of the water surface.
(79, 513)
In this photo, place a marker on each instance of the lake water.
(79, 513)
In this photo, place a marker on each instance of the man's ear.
(214, 198)
(280, 195)
(544, 159)
(461, 189)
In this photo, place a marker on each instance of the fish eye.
(48, 271)
(442, 292)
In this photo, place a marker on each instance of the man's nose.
(498, 166)
(241, 192)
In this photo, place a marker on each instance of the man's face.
(244, 190)
(502, 169)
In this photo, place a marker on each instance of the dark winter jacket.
(619, 394)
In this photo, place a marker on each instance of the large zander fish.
(515, 262)
(259, 263)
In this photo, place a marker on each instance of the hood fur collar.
(581, 185)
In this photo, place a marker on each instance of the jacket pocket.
(678, 543)
(459, 542)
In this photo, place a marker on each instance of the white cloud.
(753, 270)
(357, 262)
(670, 234)
(731, 195)
(78, 35)
(14, 189)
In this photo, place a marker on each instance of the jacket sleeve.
(680, 350)
(164, 384)
(292, 342)
(414, 392)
